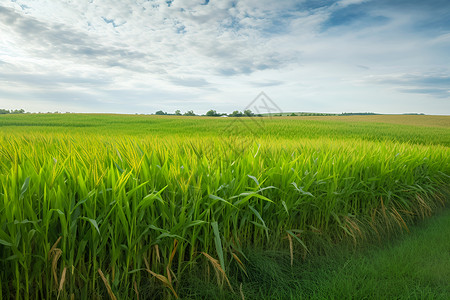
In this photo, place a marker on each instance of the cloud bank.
(142, 56)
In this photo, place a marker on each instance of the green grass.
(413, 266)
(98, 205)
(411, 129)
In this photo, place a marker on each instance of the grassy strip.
(415, 266)
(425, 130)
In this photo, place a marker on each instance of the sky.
(140, 56)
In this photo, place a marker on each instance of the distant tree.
(177, 112)
(248, 113)
(160, 113)
(16, 111)
(236, 113)
(293, 115)
(212, 113)
(189, 113)
(358, 114)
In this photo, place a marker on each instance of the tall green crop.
(87, 215)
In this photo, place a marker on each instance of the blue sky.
(142, 56)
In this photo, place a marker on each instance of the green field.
(97, 206)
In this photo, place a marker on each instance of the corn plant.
(94, 216)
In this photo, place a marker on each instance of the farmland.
(123, 205)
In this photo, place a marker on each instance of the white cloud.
(187, 54)
(345, 3)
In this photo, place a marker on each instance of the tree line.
(15, 111)
(214, 113)
(211, 113)
(249, 113)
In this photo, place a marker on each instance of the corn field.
(87, 213)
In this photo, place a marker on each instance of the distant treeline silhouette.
(211, 113)
(6, 111)
(313, 114)
(236, 113)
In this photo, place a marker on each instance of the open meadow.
(128, 206)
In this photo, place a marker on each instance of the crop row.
(92, 215)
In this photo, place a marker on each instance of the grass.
(413, 120)
(413, 266)
(409, 129)
(119, 206)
